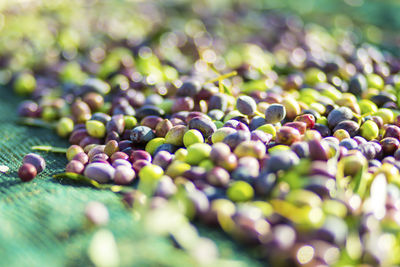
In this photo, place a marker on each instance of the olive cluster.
(295, 150)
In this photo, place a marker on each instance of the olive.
(351, 127)
(96, 85)
(383, 98)
(358, 84)
(234, 139)
(275, 113)
(116, 124)
(392, 131)
(246, 105)
(166, 147)
(218, 101)
(175, 135)
(77, 136)
(94, 100)
(318, 150)
(237, 125)
(218, 177)
(389, 145)
(256, 122)
(163, 127)
(258, 135)
(287, 135)
(301, 149)
(368, 150)
(216, 114)
(165, 187)
(148, 110)
(205, 126)
(219, 152)
(27, 172)
(338, 115)
(349, 143)
(100, 172)
(36, 160)
(113, 136)
(141, 134)
(322, 129)
(189, 88)
(308, 119)
(283, 160)
(28, 108)
(298, 125)
(182, 104)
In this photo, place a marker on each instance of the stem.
(221, 86)
(213, 69)
(223, 77)
(36, 123)
(50, 149)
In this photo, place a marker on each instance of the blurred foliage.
(34, 34)
(42, 30)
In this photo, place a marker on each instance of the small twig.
(223, 77)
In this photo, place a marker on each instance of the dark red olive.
(318, 150)
(308, 119)
(27, 172)
(140, 154)
(389, 145)
(287, 135)
(151, 121)
(298, 125)
(392, 131)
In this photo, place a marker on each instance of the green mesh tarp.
(42, 222)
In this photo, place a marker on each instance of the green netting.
(42, 222)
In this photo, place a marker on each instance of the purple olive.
(140, 154)
(162, 159)
(124, 175)
(100, 172)
(165, 187)
(119, 155)
(123, 162)
(36, 160)
(318, 150)
(75, 167)
(218, 177)
(139, 164)
(82, 157)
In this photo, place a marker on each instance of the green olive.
(65, 126)
(96, 128)
(240, 191)
(153, 144)
(369, 130)
(197, 152)
(191, 137)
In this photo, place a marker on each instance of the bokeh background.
(42, 223)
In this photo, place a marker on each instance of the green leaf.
(88, 181)
(50, 149)
(36, 123)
